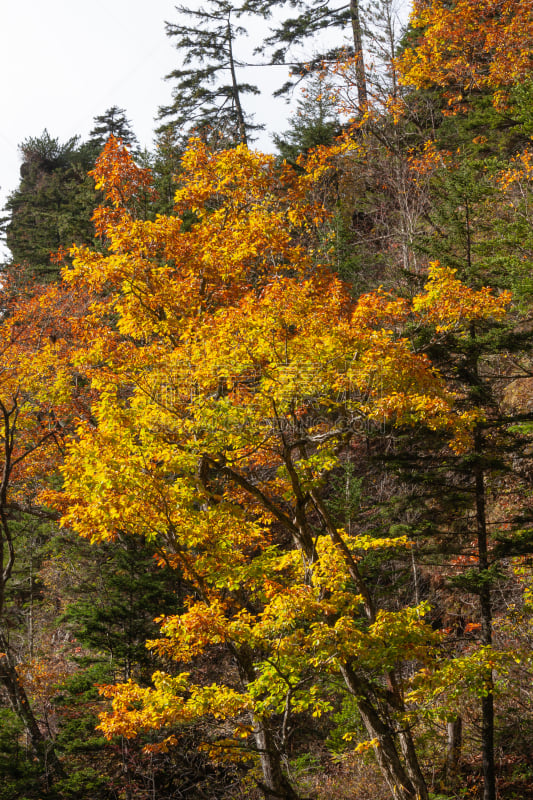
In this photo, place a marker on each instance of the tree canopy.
(266, 428)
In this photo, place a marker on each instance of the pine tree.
(116, 600)
(164, 163)
(52, 207)
(206, 102)
(314, 17)
(112, 122)
(316, 122)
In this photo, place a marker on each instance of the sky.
(63, 62)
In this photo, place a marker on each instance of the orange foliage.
(469, 46)
(229, 376)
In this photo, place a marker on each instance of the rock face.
(518, 397)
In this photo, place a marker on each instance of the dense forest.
(266, 423)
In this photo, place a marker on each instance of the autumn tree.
(331, 481)
(216, 438)
(468, 47)
(35, 398)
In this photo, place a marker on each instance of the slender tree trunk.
(407, 746)
(274, 784)
(360, 73)
(487, 702)
(453, 750)
(42, 746)
(412, 764)
(402, 784)
(393, 45)
(236, 94)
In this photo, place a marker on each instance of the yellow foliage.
(229, 373)
(472, 45)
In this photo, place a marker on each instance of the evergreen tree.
(316, 122)
(208, 95)
(314, 17)
(164, 164)
(471, 515)
(52, 207)
(114, 605)
(112, 122)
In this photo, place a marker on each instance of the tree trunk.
(487, 702)
(412, 765)
(360, 74)
(404, 783)
(42, 746)
(453, 750)
(274, 783)
(236, 94)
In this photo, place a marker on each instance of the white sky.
(62, 62)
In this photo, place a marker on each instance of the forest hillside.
(266, 424)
